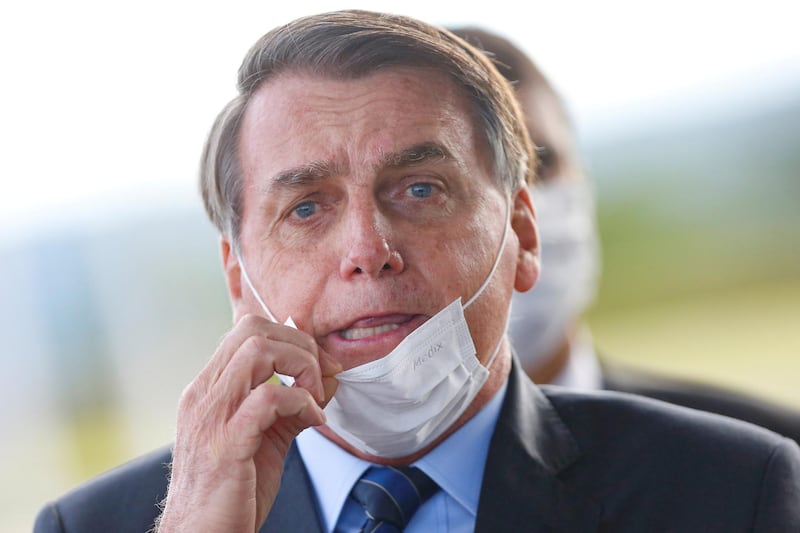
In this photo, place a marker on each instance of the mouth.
(369, 338)
(353, 334)
(380, 327)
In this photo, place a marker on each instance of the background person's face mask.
(570, 269)
(402, 402)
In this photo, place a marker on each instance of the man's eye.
(421, 190)
(545, 166)
(305, 210)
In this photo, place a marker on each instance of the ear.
(523, 222)
(233, 277)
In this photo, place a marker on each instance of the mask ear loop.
(489, 278)
(497, 259)
(253, 289)
(286, 380)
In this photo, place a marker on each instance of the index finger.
(328, 365)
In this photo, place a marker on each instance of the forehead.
(297, 118)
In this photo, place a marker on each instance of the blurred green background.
(700, 223)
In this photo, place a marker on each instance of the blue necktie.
(390, 496)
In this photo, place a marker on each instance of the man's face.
(368, 206)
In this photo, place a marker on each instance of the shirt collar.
(332, 470)
(456, 464)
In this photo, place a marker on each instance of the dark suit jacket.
(703, 396)
(558, 461)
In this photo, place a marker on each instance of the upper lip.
(375, 321)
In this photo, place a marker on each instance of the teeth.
(360, 333)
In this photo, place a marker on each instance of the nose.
(368, 248)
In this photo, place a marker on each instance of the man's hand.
(234, 427)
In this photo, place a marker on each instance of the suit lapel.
(295, 507)
(521, 489)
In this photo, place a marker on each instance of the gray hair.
(349, 45)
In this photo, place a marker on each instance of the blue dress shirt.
(456, 465)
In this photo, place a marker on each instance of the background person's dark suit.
(558, 461)
(703, 396)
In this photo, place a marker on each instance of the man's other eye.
(421, 190)
(305, 210)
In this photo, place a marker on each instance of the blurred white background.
(111, 296)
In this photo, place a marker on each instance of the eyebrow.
(305, 174)
(316, 171)
(417, 154)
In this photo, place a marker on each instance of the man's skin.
(368, 207)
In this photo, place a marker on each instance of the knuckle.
(256, 345)
(251, 321)
(189, 391)
(310, 344)
(188, 397)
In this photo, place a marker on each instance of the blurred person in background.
(385, 231)
(546, 326)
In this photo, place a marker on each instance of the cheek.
(296, 277)
(488, 314)
(465, 259)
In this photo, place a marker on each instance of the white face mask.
(570, 269)
(402, 402)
